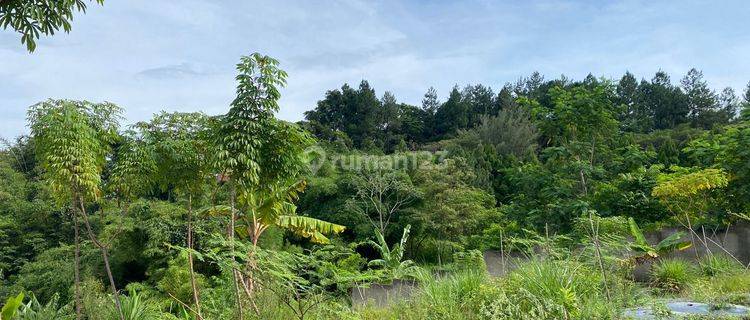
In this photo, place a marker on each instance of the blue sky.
(179, 54)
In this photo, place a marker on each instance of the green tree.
(430, 105)
(635, 117)
(701, 100)
(452, 115)
(73, 139)
(257, 153)
(666, 103)
(480, 101)
(381, 195)
(32, 18)
(392, 259)
(505, 99)
(179, 152)
(510, 133)
(354, 112)
(686, 193)
(745, 111)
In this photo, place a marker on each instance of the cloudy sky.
(151, 55)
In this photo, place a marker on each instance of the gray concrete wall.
(380, 295)
(735, 240)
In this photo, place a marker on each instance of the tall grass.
(568, 289)
(718, 264)
(673, 274)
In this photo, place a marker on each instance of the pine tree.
(701, 100)
(636, 117)
(745, 112)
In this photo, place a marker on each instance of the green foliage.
(11, 306)
(52, 272)
(730, 287)
(629, 195)
(175, 280)
(727, 150)
(558, 171)
(684, 184)
(643, 250)
(392, 259)
(453, 297)
(135, 308)
(511, 132)
(718, 264)
(274, 207)
(472, 260)
(72, 140)
(673, 274)
(579, 113)
(616, 226)
(248, 134)
(33, 310)
(565, 284)
(32, 18)
(381, 195)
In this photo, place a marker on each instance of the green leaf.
(673, 243)
(309, 227)
(11, 307)
(636, 232)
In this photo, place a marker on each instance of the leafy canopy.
(32, 18)
(72, 140)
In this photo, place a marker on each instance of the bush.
(505, 307)
(673, 274)
(557, 290)
(453, 297)
(472, 260)
(714, 265)
(33, 310)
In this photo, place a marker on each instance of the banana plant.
(274, 206)
(392, 258)
(11, 307)
(645, 251)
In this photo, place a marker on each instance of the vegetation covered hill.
(244, 216)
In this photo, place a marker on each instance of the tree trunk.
(77, 266)
(230, 234)
(105, 256)
(196, 298)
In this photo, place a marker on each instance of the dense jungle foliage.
(245, 216)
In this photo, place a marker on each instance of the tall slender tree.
(73, 139)
(257, 152)
(180, 151)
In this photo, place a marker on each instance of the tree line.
(358, 118)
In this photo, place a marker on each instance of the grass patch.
(673, 274)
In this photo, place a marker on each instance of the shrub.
(472, 260)
(673, 274)
(505, 307)
(557, 289)
(714, 265)
(33, 310)
(453, 297)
